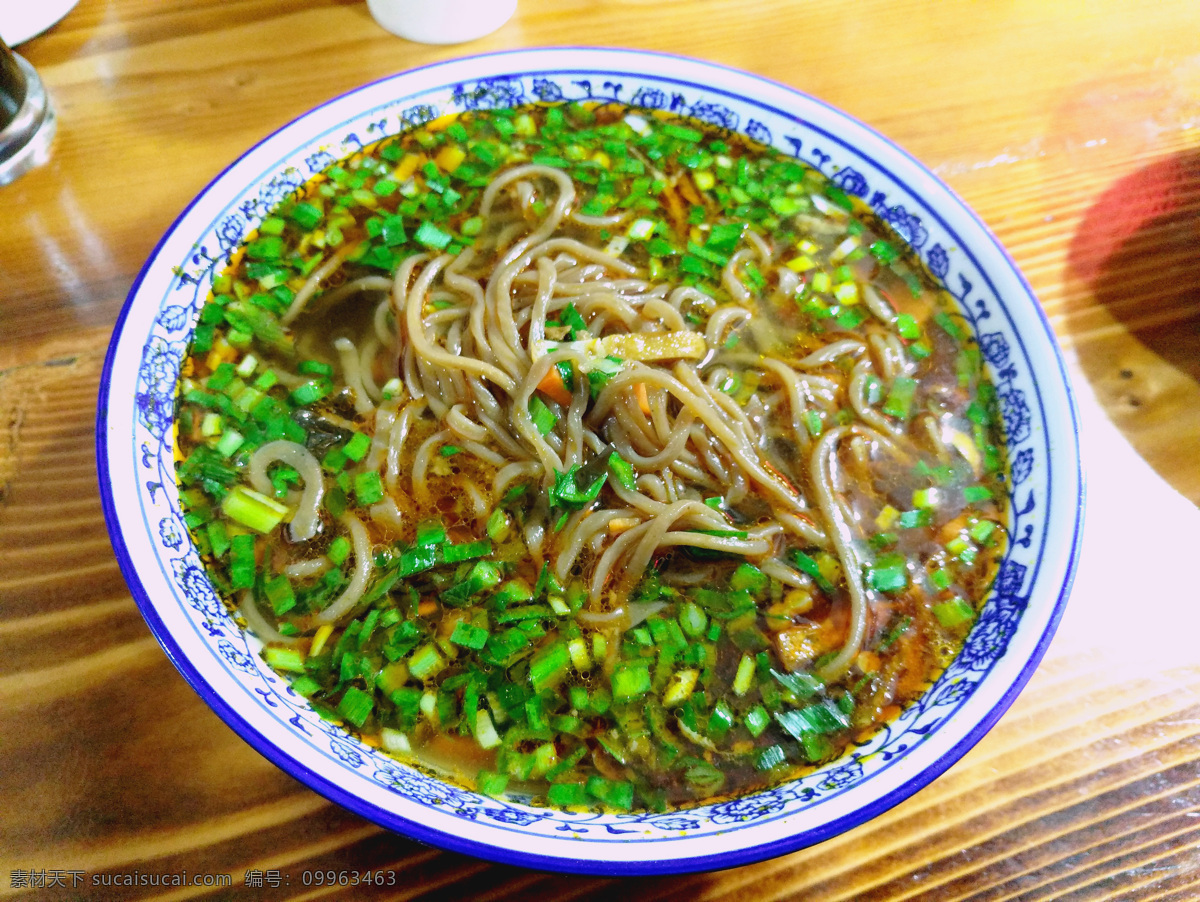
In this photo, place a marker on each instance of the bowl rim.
(393, 820)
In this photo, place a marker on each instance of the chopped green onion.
(544, 419)
(630, 680)
(549, 666)
(368, 488)
(680, 687)
(307, 216)
(623, 471)
(229, 443)
(953, 613)
(907, 326)
(682, 132)
(485, 730)
(770, 758)
(974, 494)
(487, 782)
(824, 717)
(802, 685)
(357, 447)
(429, 235)
(900, 398)
(356, 706)
(812, 420)
(949, 326)
(279, 593)
(889, 579)
(242, 566)
(252, 509)
(567, 795)
(757, 720)
(426, 662)
(977, 413)
(982, 530)
(640, 229)
(453, 554)
(809, 566)
(469, 636)
(890, 637)
(816, 747)
(692, 619)
(925, 499)
(915, 518)
(314, 368)
(309, 392)
(430, 532)
(267, 248)
(884, 252)
(744, 678)
(616, 794)
(567, 492)
(289, 659)
(498, 526)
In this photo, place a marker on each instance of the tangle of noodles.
(610, 454)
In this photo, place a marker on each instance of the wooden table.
(1073, 129)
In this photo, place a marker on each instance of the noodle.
(635, 465)
(305, 521)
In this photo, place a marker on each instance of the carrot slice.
(643, 399)
(553, 387)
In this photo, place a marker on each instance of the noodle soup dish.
(653, 464)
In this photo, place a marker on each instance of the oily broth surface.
(607, 747)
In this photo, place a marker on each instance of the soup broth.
(592, 454)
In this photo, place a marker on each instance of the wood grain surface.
(1073, 129)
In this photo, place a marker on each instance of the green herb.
(356, 706)
(617, 794)
(974, 494)
(682, 132)
(824, 717)
(889, 573)
(469, 636)
(549, 666)
(544, 419)
(368, 488)
(430, 236)
(894, 633)
(252, 509)
(808, 565)
(884, 252)
(900, 398)
(953, 613)
(630, 680)
(757, 720)
(569, 493)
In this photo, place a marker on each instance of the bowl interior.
(222, 661)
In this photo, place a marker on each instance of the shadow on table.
(1137, 252)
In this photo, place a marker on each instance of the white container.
(222, 660)
(21, 21)
(442, 21)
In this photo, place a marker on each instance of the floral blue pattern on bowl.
(221, 660)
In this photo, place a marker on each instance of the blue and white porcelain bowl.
(221, 660)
